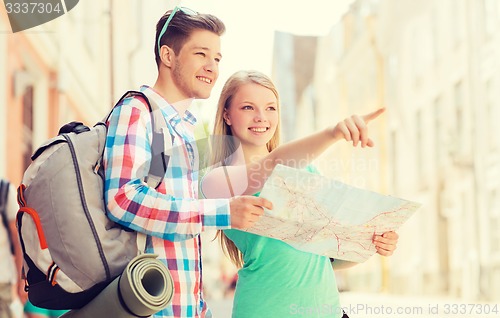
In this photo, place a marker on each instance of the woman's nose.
(259, 117)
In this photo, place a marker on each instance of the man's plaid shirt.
(172, 216)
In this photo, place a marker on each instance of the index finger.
(391, 235)
(371, 116)
(263, 203)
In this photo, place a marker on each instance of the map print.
(323, 216)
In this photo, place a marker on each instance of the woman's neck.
(245, 155)
(253, 154)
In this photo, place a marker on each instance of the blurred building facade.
(74, 67)
(433, 63)
(435, 66)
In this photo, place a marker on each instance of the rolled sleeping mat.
(145, 287)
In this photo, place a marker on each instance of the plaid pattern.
(172, 216)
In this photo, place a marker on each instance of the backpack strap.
(4, 196)
(159, 160)
(130, 94)
(141, 241)
(159, 147)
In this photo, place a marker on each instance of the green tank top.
(278, 280)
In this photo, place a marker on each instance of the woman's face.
(253, 115)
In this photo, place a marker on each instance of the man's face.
(196, 68)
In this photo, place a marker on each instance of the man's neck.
(179, 103)
(182, 105)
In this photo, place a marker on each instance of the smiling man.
(187, 50)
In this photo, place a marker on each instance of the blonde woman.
(275, 280)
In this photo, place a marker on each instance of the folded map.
(320, 215)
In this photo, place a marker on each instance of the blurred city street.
(434, 65)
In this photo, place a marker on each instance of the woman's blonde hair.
(223, 148)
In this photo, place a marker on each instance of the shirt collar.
(170, 112)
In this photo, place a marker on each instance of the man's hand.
(386, 243)
(355, 128)
(246, 210)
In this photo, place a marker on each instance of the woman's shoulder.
(224, 182)
(312, 168)
(214, 184)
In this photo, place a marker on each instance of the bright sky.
(251, 24)
(250, 27)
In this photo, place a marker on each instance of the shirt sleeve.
(131, 202)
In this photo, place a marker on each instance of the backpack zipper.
(85, 207)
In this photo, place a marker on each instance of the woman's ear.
(226, 118)
(166, 55)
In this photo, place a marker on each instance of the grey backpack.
(72, 251)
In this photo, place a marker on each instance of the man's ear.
(166, 55)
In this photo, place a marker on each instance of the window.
(423, 53)
(437, 45)
(27, 126)
(492, 113)
(490, 17)
(494, 220)
(439, 145)
(419, 141)
(456, 21)
(458, 142)
(394, 159)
